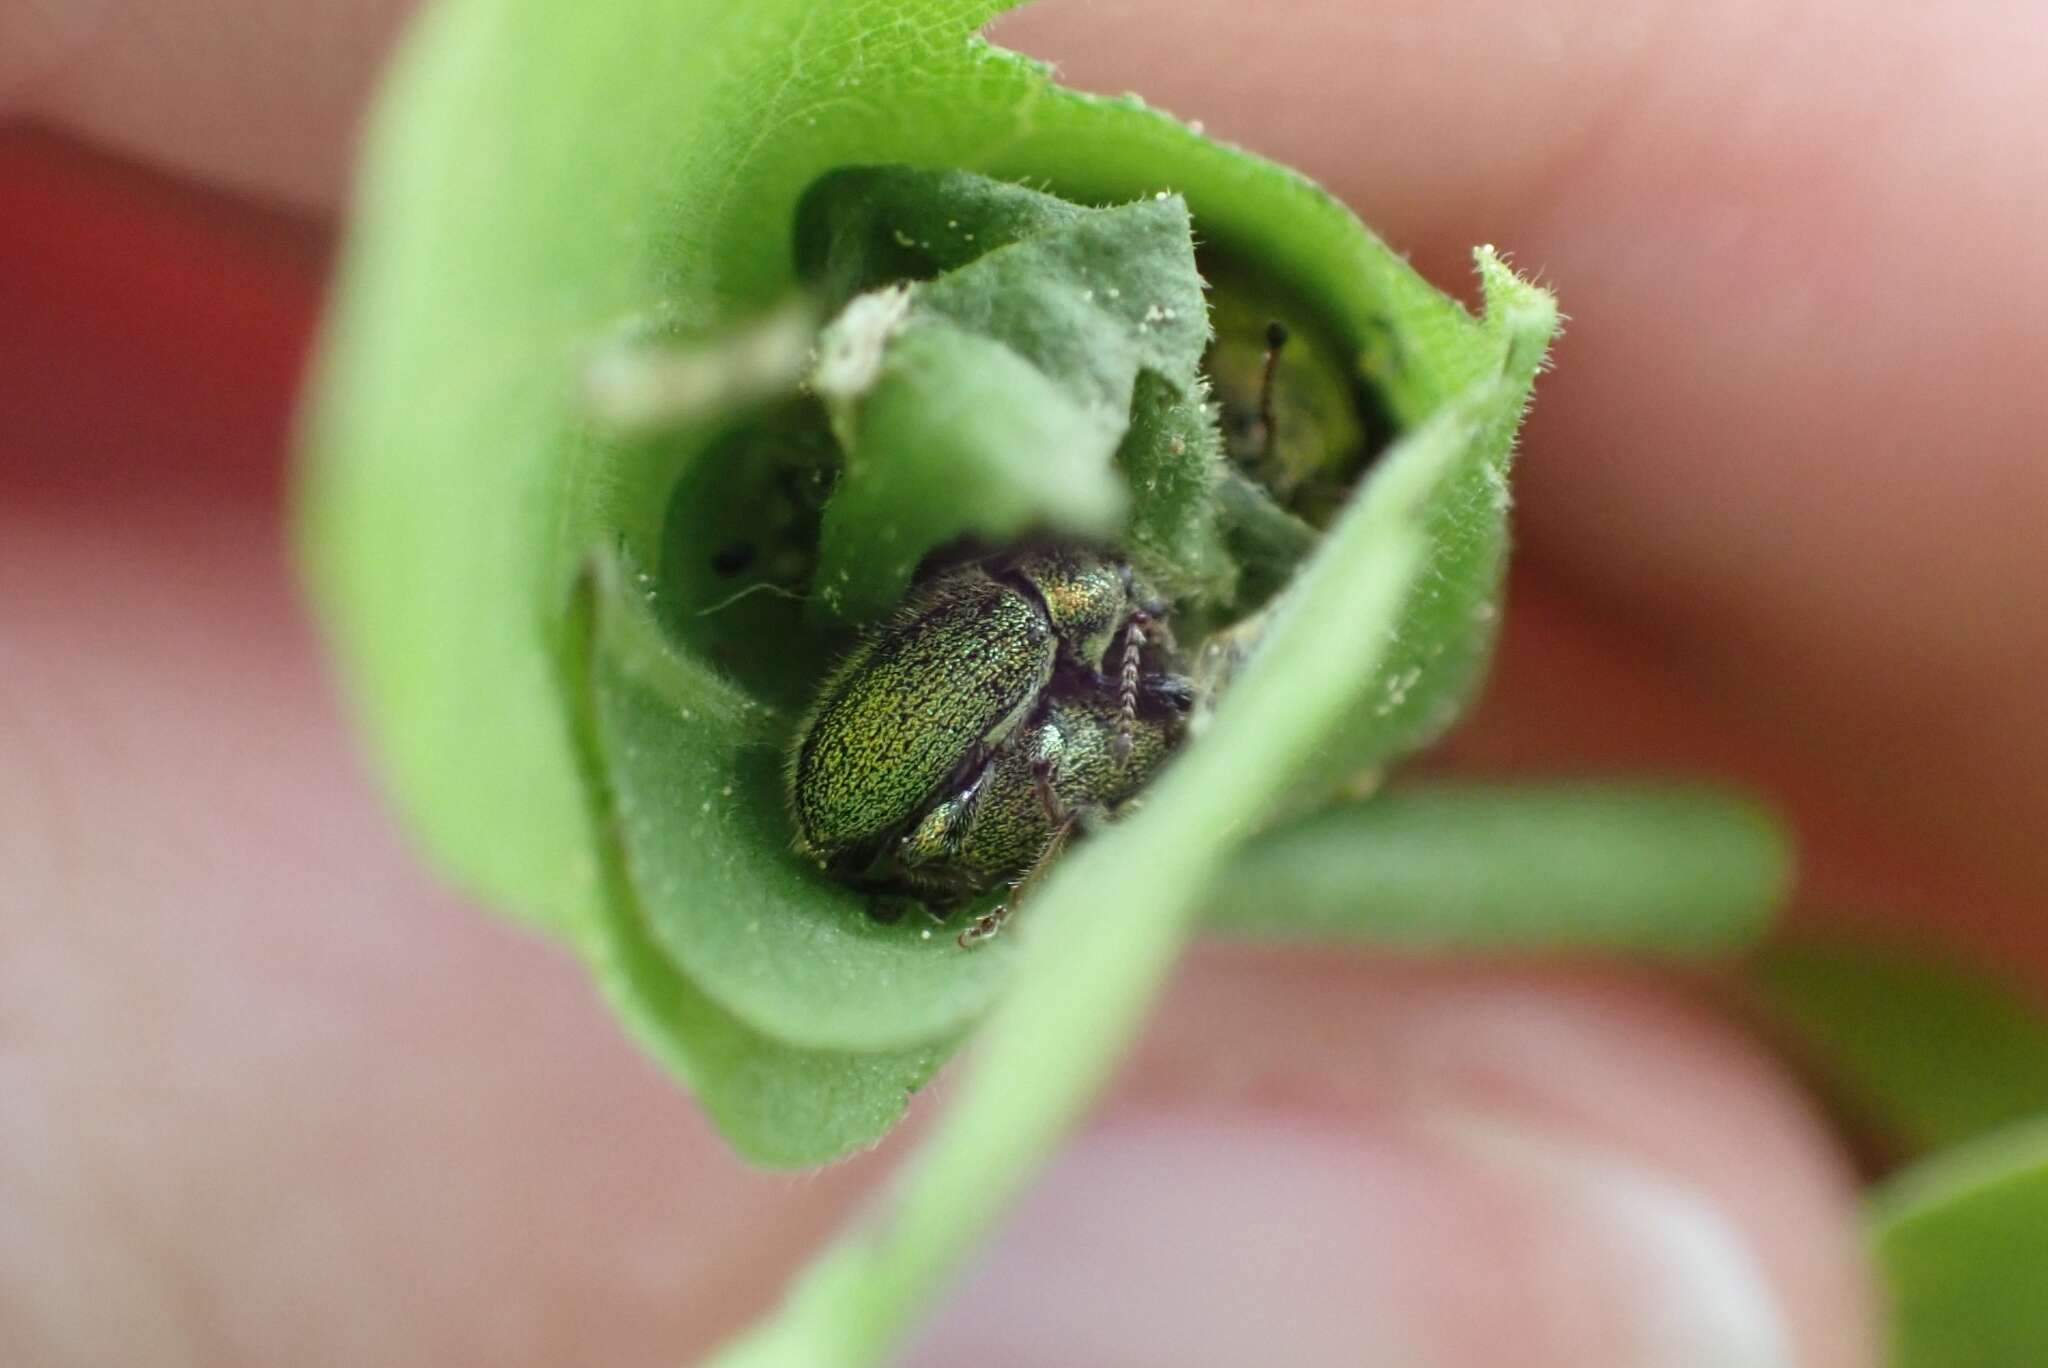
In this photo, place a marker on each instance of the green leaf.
(543, 180)
(1445, 637)
(693, 769)
(1932, 1050)
(1962, 1241)
(1113, 916)
(778, 1105)
(1172, 461)
(1446, 630)
(936, 456)
(1651, 869)
(535, 174)
(1296, 417)
(992, 398)
(863, 227)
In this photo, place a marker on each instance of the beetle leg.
(984, 927)
(989, 924)
(939, 834)
(1043, 769)
(968, 804)
(1062, 822)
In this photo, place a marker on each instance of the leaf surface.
(1962, 1241)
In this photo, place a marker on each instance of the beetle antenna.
(1276, 338)
(1127, 721)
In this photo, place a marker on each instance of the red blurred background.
(142, 319)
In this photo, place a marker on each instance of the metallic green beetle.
(1065, 768)
(920, 704)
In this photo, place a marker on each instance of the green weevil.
(1078, 761)
(916, 710)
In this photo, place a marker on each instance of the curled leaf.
(582, 649)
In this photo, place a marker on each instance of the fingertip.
(1336, 1164)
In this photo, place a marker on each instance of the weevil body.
(919, 706)
(1066, 767)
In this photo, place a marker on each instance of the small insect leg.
(984, 928)
(989, 924)
(1042, 770)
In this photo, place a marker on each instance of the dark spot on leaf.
(733, 557)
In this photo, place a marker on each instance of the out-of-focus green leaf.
(779, 1105)
(1930, 1049)
(1962, 1241)
(1647, 868)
